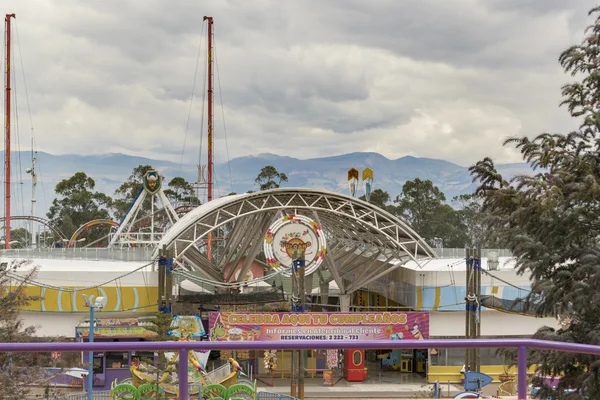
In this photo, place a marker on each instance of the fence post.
(183, 375)
(522, 373)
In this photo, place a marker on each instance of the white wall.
(493, 323)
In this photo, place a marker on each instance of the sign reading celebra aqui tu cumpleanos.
(233, 326)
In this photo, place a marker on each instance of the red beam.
(7, 135)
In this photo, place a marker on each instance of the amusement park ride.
(356, 243)
(225, 382)
(149, 216)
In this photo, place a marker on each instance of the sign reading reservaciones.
(234, 326)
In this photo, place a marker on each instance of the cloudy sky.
(305, 78)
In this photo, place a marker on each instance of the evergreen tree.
(550, 222)
(379, 198)
(181, 191)
(423, 206)
(18, 371)
(78, 203)
(126, 194)
(270, 178)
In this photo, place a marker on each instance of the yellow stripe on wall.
(494, 289)
(438, 297)
(452, 373)
(132, 299)
(419, 298)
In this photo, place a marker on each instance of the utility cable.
(71, 289)
(187, 125)
(223, 116)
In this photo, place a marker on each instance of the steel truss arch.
(91, 224)
(357, 231)
(39, 220)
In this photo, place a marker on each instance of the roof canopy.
(364, 242)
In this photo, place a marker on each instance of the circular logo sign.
(295, 237)
(152, 181)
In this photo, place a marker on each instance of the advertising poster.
(238, 326)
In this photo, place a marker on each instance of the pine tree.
(18, 371)
(550, 221)
(160, 325)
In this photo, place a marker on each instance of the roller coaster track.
(182, 209)
(39, 220)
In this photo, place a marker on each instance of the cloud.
(306, 78)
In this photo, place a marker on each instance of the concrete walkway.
(314, 389)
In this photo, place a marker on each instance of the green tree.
(422, 205)
(18, 371)
(549, 220)
(20, 238)
(160, 325)
(379, 198)
(126, 194)
(469, 210)
(270, 178)
(181, 191)
(78, 202)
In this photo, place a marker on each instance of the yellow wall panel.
(130, 299)
(452, 373)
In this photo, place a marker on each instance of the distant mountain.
(110, 170)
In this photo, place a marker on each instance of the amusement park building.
(374, 262)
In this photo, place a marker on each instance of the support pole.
(477, 267)
(7, 134)
(168, 281)
(90, 377)
(302, 292)
(209, 123)
(469, 263)
(522, 373)
(33, 186)
(473, 310)
(183, 375)
(162, 258)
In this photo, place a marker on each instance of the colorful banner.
(188, 324)
(233, 326)
(115, 332)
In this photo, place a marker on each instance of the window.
(117, 360)
(143, 356)
(456, 357)
(357, 357)
(97, 365)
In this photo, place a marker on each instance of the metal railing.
(91, 254)
(218, 373)
(183, 347)
(145, 253)
(274, 396)
(104, 395)
(460, 253)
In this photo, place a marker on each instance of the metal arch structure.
(88, 225)
(127, 235)
(364, 241)
(39, 220)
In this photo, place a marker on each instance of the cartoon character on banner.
(417, 330)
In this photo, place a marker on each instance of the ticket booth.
(354, 365)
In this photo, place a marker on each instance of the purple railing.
(521, 344)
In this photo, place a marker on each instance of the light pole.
(99, 303)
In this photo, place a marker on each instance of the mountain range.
(110, 170)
